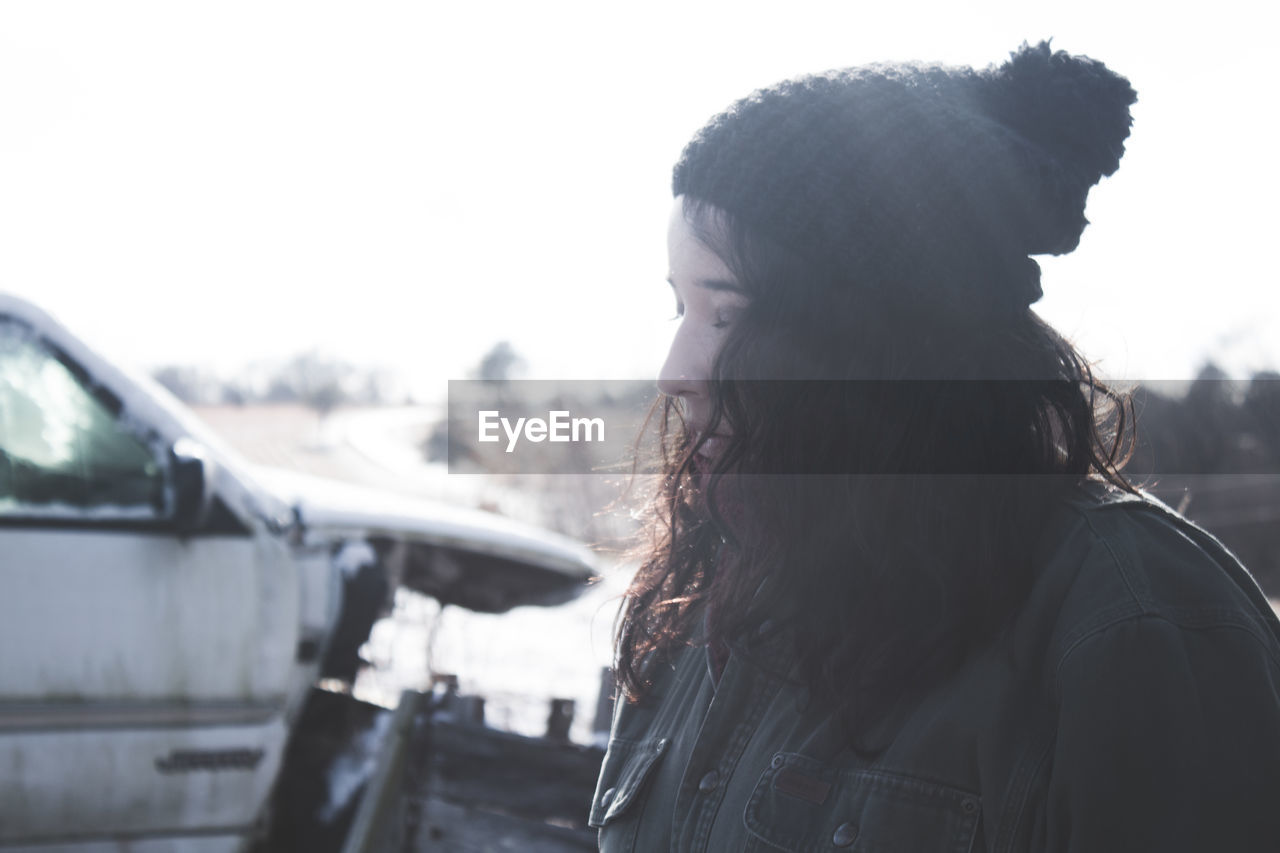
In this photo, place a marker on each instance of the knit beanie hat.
(929, 187)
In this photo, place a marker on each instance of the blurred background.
(303, 219)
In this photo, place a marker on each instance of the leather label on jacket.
(804, 787)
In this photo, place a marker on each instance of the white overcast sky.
(402, 184)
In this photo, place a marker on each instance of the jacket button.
(607, 798)
(777, 762)
(709, 782)
(844, 835)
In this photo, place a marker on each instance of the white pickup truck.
(165, 609)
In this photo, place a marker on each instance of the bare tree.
(318, 381)
(499, 363)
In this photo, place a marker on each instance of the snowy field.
(517, 661)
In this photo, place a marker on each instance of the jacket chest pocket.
(627, 765)
(803, 805)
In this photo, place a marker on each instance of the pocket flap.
(801, 804)
(626, 767)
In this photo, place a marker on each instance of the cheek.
(699, 343)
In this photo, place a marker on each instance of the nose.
(677, 386)
(684, 373)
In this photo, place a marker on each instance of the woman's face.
(708, 300)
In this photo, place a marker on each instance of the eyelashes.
(721, 321)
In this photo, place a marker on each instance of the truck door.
(142, 669)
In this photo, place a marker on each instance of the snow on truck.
(167, 608)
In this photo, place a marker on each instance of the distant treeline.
(1219, 426)
(311, 379)
(1214, 454)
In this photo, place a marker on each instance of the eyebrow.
(718, 284)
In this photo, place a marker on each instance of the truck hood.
(474, 559)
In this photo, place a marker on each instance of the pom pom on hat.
(1071, 106)
(927, 186)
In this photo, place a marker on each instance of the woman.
(899, 595)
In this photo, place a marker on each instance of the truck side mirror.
(191, 497)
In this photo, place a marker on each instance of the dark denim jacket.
(1133, 705)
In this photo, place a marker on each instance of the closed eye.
(724, 318)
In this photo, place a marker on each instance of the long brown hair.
(893, 464)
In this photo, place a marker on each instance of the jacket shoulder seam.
(1184, 619)
(1122, 565)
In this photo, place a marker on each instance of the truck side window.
(64, 452)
